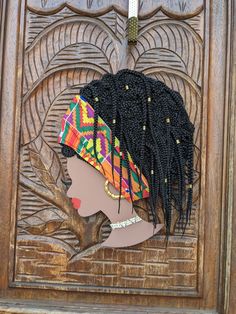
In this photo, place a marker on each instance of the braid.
(187, 135)
(181, 170)
(159, 168)
(143, 133)
(121, 162)
(190, 181)
(153, 192)
(95, 126)
(168, 182)
(113, 126)
(129, 175)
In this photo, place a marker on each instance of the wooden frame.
(226, 299)
(224, 93)
(73, 287)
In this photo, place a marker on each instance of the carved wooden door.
(52, 49)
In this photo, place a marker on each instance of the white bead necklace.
(125, 223)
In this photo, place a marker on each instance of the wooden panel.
(63, 51)
(213, 98)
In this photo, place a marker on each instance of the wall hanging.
(128, 138)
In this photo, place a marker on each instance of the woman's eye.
(66, 183)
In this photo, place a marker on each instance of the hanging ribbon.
(133, 21)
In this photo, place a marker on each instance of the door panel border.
(11, 95)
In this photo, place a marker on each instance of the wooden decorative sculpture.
(66, 45)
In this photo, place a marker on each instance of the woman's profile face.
(87, 188)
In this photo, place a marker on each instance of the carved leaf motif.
(89, 3)
(63, 35)
(46, 164)
(180, 48)
(44, 3)
(47, 95)
(45, 221)
(79, 54)
(182, 5)
(140, 5)
(120, 25)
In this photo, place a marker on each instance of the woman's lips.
(76, 203)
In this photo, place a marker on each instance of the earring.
(109, 193)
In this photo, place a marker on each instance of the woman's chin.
(82, 213)
(85, 213)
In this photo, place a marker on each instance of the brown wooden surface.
(51, 50)
(228, 304)
(63, 52)
(231, 269)
(28, 307)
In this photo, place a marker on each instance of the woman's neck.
(131, 235)
(126, 211)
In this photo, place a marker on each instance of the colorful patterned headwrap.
(77, 132)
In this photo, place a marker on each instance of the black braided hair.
(151, 123)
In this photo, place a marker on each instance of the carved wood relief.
(66, 48)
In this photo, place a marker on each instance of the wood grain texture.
(63, 52)
(44, 230)
(2, 23)
(17, 306)
(176, 8)
(227, 300)
(230, 274)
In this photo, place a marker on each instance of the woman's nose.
(69, 192)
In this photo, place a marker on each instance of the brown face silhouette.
(89, 197)
(88, 193)
(87, 186)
